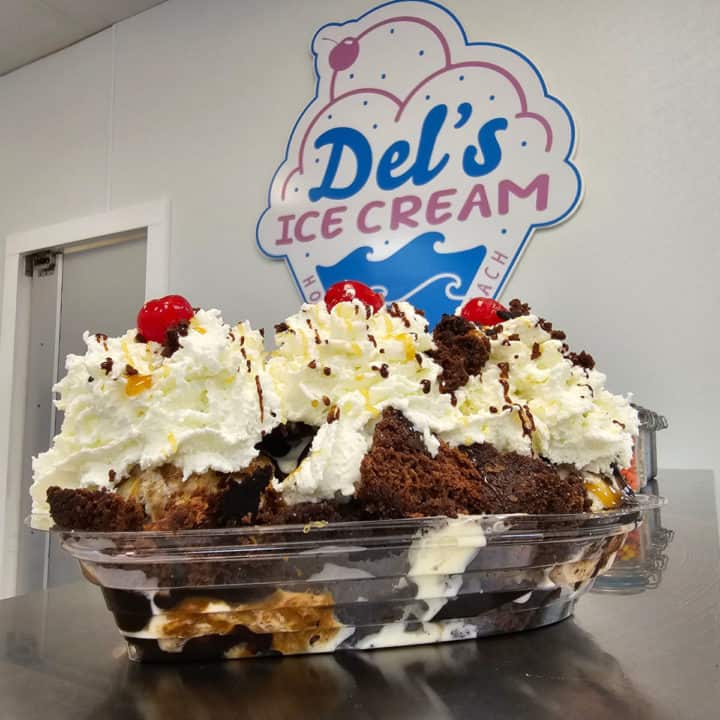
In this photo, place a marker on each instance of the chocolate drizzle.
(589, 387)
(395, 311)
(260, 398)
(504, 375)
(526, 420)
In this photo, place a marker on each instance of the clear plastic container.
(225, 594)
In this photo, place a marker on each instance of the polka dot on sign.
(504, 231)
(364, 102)
(427, 97)
(329, 117)
(317, 160)
(307, 255)
(392, 31)
(461, 78)
(351, 75)
(387, 242)
(421, 53)
(374, 126)
(383, 76)
(523, 143)
(492, 97)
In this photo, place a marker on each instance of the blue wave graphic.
(419, 272)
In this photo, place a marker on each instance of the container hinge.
(44, 262)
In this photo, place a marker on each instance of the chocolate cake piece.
(528, 484)
(399, 478)
(95, 510)
(275, 511)
(462, 351)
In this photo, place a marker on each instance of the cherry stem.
(334, 42)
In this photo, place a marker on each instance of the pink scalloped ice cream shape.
(357, 61)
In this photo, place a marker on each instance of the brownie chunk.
(527, 484)
(462, 351)
(399, 478)
(275, 511)
(97, 510)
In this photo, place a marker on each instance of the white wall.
(194, 100)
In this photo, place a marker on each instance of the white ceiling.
(31, 29)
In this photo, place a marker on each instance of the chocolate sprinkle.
(426, 385)
(333, 414)
(536, 352)
(312, 364)
(326, 400)
(282, 327)
(327, 371)
(107, 365)
(130, 370)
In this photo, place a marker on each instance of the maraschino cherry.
(157, 316)
(348, 290)
(483, 311)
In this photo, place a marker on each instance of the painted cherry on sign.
(157, 316)
(348, 290)
(483, 311)
(344, 54)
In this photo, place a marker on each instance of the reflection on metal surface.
(531, 677)
(640, 563)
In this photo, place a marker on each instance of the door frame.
(14, 339)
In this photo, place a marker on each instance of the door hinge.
(44, 262)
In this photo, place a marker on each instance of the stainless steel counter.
(644, 645)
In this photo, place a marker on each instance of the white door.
(98, 286)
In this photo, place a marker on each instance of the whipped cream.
(127, 406)
(339, 370)
(531, 398)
